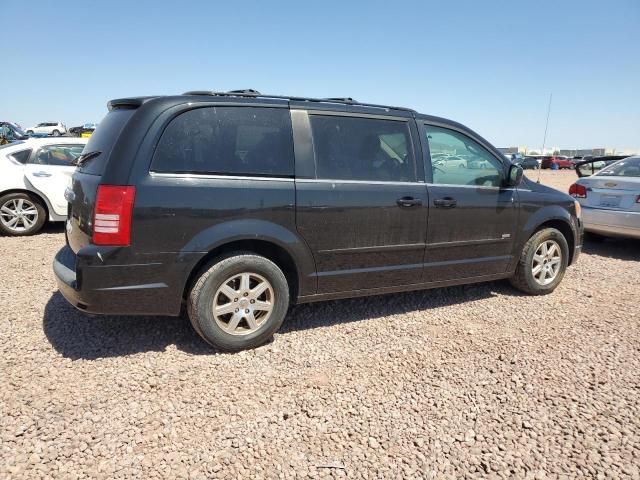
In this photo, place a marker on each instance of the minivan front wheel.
(542, 263)
(239, 302)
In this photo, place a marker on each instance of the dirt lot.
(449, 383)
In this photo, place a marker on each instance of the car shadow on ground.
(49, 227)
(76, 335)
(619, 248)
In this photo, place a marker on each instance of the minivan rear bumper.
(131, 289)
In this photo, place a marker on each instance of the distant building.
(512, 150)
(570, 152)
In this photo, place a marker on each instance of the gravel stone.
(382, 387)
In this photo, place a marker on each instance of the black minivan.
(237, 204)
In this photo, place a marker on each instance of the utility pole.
(546, 126)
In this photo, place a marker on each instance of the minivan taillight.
(578, 191)
(112, 215)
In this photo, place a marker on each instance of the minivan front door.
(364, 214)
(472, 217)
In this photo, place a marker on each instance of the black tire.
(29, 132)
(523, 278)
(56, 133)
(201, 298)
(40, 219)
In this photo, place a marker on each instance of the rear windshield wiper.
(85, 157)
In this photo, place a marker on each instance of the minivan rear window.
(252, 141)
(104, 138)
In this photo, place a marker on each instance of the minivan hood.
(539, 187)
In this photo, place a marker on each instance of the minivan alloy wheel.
(243, 303)
(547, 262)
(18, 214)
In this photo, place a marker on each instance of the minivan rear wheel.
(542, 263)
(239, 302)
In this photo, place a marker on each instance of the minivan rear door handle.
(446, 202)
(408, 202)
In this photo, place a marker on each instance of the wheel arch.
(268, 249)
(43, 201)
(274, 241)
(564, 227)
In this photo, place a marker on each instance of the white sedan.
(610, 199)
(35, 175)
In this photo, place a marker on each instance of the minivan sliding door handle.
(408, 202)
(446, 202)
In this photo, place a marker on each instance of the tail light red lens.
(578, 191)
(112, 215)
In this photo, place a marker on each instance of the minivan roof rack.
(251, 93)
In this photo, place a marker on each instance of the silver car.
(610, 198)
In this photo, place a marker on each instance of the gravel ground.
(473, 381)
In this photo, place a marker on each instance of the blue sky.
(488, 64)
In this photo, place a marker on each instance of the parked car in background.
(610, 198)
(11, 132)
(87, 128)
(54, 129)
(238, 204)
(514, 157)
(529, 163)
(450, 161)
(35, 174)
(591, 165)
(560, 162)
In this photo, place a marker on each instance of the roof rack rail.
(246, 91)
(341, 99)
(251, 93)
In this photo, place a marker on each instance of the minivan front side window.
(355, 148)
(227, 141)
(458, 160)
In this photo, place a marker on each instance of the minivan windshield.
(629, 167)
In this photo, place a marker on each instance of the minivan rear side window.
(104, 139)
(356, 148)
(253, 141)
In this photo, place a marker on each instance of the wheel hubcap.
(18, 214)
(546, 262)
(243, 303)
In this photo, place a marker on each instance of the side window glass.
(227, 141)
(60, 155)
(22, 156)
(458, 160)
(352, 148)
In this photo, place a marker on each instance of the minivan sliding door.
(361, 208)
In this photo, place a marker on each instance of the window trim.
(417, 176)
(428, 168)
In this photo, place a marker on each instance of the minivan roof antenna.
(544, 140)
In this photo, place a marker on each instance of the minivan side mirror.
(515, 175)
